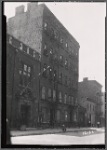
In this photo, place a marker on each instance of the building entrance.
(52, 118)
(25, 114)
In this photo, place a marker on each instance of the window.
(55, 57)
(31, 52)
(45, 115)
(55, 75)
(51, 51)
(75, 116)
(61, 59)
(52, 31)
(50, 73)
(39, 57)
(65, 80)
(24, 74)
(25, 67)
(76, 54)
(10, 40)
(45, 51)
(34, 53)
(45, 25)
(87, 106)
(55, 35)
(72, 100)
(90, 107)
(65, 98)
(43, 92)
(21, 46)
(66, 115)
(60, 77)
(76, 101)
(49, 93)
(69, 82)
(61, 40)
(69, 99)
(27, 50)
(54, 95)
(66, 63)
(60, 97)
(44, 71)
(66, 45)
(58, 115)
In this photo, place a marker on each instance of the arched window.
(43, 92)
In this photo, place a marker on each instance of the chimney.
(31, 6)
(19, 10)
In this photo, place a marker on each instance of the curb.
(54, 132)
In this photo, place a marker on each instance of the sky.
(86, 22)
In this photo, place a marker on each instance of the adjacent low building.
(89, 98)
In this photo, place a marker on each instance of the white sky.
(86, 22)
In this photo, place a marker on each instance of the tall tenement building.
(57, 82)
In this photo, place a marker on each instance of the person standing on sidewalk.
(63, 128)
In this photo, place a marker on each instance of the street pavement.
(68, 138)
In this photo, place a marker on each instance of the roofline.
(62, 26)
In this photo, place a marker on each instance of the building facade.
(59, 52)
(90, 107)
(88, 97)
(23, 66)
(103, 107)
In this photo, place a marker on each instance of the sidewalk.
(35, 131)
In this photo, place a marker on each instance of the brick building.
(90, 106)
(103, 107)
(88, 97)
(59, 52)
(23, 66)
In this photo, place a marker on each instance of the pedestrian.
(63, 128)
(98, 124)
